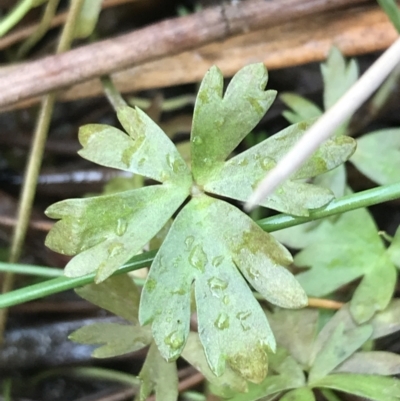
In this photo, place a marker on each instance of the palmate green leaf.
(223, 385)
(104, 229)
(378, 156)
(347, 249)
(208, 240)
(158, 375)
(376, 388)
(220, 122)
(117, 339)
(238, 177)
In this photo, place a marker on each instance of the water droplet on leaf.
(216, 283)
(197, 140)
(175, 340)
(115, 249)
(122, 226)
(222, 321)
(198, 258)
(253, 273)
(219, 122)
(242, 316)
(267, 164)
(217, 260)
(189, 241)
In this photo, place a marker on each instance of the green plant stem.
(391, 9)
(112, 93)
(41, 29)
(40, 271)
(14, 16)
(347, 203)
(93, 373)
(60, 284)
(35, 160)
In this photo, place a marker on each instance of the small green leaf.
(378, 156)
(104, 230)
(119, 339)
(376, 388)
(371, 363)
(295, 331)
(338, 76)
(299, 394)
(232, 326)
(343, 251)
(158, 375)
(338, 348)
(302, 109)
(387, 321)
(117, 294)
(375, 291)
(220, 122)
(238, 176)
(146, 150)
(223, 385)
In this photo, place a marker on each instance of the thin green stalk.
(35, 160)
(14, 16)
(41, 29)
(40, 271)
(112, 93)
(92, 373)
(354, 201)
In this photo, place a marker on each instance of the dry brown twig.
(165, 38)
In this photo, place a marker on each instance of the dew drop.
(189, 242)
(198, 258)
(115, 249)
(207, 161)
(216, 283)
(267, 164)
(175, 340)
(175, 165)
(151, 285)
(217, 260)
(197, 140)
(243, 162)
(122, 226)
(242, 316)
(178, 291)
(253, 273)
(222, 321)
(220, 122)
